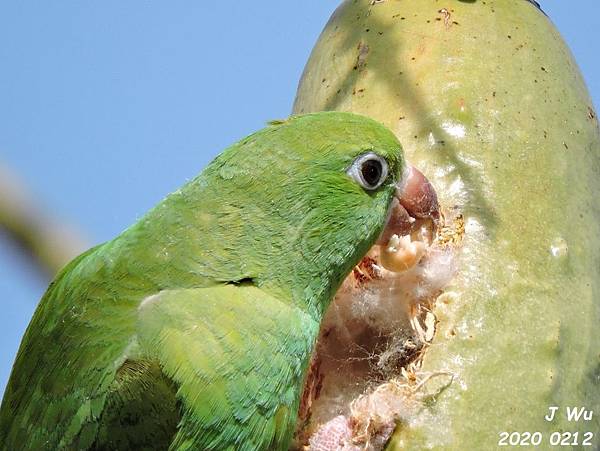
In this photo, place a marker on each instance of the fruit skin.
(488, 101)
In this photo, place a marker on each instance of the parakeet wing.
(210, 360)
(236, 354)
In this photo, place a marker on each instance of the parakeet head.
(296, 205)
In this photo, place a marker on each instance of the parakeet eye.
(369, 170)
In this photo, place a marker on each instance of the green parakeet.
(193, 329)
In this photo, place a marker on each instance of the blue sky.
(108, 106)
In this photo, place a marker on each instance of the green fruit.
(489, 104)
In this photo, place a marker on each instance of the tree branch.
(48, 243)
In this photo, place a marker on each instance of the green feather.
(194, 327)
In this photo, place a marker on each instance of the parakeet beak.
(415, 200)
(417, 196)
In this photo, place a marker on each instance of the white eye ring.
(369, 170)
